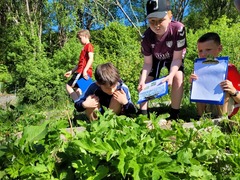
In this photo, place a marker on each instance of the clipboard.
(83, 84)
(211, 72)
(153, 89)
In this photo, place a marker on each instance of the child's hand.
(68, 74)
(192, 77)
(228, 87)
(91, 101)
(120, 96)
(85, 75)
(169, 79)
(141, 86)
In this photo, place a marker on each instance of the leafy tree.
(178, 8)
(202, 13)
(25, 54)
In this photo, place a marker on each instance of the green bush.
(5, 77)
(117, 147)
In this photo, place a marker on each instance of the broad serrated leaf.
(199, 172)
(205, 154)
(162, 158)
(86, 144)
(156, 174)
(35, 133)
(121, 164)
(2, 174)
(27, 170)
(3, 150)
(136, 168)
(184, 156)
(173, 167)
(101, 172)
(40, 168)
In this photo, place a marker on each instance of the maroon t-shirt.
(174, 39)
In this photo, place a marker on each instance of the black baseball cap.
(157, 8)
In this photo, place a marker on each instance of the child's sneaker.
(174, 114)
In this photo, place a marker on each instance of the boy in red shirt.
(210, 44)
(84, 67)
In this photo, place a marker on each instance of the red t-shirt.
(83, 59)
(234, 77)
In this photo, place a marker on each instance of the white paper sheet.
(207, 87)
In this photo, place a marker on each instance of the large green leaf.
(35, 133)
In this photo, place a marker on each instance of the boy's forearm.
(146, 68)
(88, 65)
(176, 62)
(145, 72)
(74, 69)
(236, 96)
(175, 66)
(90, 62)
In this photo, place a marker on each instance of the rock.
(7, 100)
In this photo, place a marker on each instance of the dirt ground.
(7, 99)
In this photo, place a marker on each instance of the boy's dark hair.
(210, 36)
(107, 74)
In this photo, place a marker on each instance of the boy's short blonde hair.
(84, 32)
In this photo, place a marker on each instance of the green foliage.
(118, 147)
(205, 12)
(5, 76)
(32, 154)
(34, 145)
(66, 57)
(43, 84)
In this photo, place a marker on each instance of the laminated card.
(153, 89)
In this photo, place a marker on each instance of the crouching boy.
(109, 91)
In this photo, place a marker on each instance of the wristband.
(235, 94)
